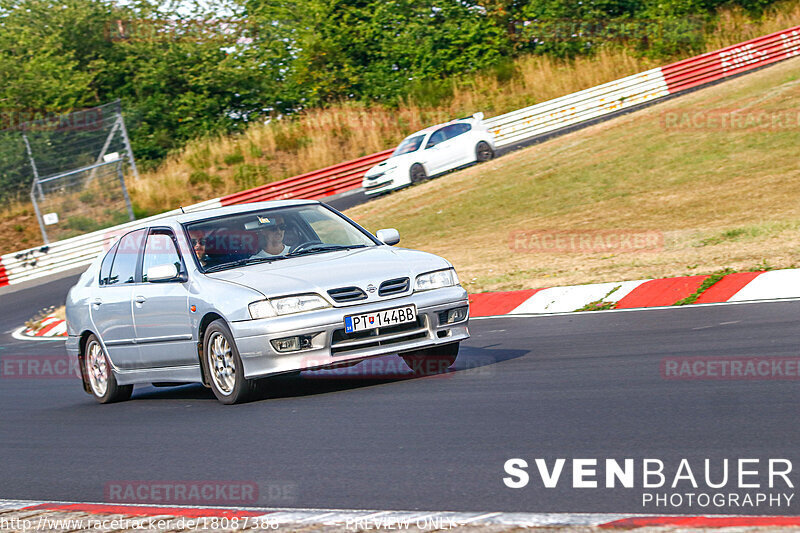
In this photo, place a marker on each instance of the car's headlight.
(298, 304)
(261, 309)
(436, 280)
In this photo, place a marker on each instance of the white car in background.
(431, 152)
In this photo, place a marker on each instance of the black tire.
(224, 366)
(417, 173)
(483, 152)
(100, 376)
(431, 360)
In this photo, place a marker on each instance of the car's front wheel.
(101, 378)
(224, 366)
(483, 152)
(431, 360)
(417, 173)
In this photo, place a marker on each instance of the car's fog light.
(451, 316)
(292, 344)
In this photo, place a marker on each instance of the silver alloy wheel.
(97, 368)
(221, 365)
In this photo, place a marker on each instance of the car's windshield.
(270, 235)
(411, 144)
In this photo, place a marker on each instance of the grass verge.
(713, 197)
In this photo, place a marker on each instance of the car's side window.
(457, 129)
(123, 270)
(436, 138)
(161, 250)
(105, 266)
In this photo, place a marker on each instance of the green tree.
(376, 50)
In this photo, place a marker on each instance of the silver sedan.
(229, 296)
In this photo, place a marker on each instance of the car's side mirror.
(388, 236)
(167, 272)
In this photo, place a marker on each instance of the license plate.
(380, 319)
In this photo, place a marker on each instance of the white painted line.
(8, 505)
(479, 517)
(692, 306)
(316, 517)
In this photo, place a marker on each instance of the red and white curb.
(49, 328)
(733, 288)
(36, 511)
(740, 287)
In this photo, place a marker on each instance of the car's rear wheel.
(431, 360)
(418, 173)
(483, 152)
(224, 366)
(101, 378)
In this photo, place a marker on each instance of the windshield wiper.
(318, 249)
(241, 262)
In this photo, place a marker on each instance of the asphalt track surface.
(571, 386)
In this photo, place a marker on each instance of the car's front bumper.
(380, 184)
(331, 346)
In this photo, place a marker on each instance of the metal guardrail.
(312, 185)
(511, 127)
(633, 90)
(577, 107)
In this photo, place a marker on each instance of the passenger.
(271, 238)
(199, 245)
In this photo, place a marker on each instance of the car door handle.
(140, 300)
(97, 302)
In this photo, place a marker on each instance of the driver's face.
(275, 231)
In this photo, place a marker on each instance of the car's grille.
(342, 342)
(377, 185)
(347, 294)
(393, 286)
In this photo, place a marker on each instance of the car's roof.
(195, 216)
(429, 129)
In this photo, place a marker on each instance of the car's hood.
(400, 161)
(332, 270)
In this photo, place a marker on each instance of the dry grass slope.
(720, 197)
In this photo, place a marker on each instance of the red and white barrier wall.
(644, 87)
(738, 287)
(523, 124)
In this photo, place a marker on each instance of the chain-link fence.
(73, 165)
(83, 200)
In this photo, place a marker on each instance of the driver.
(199, 241)
(271, 238)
